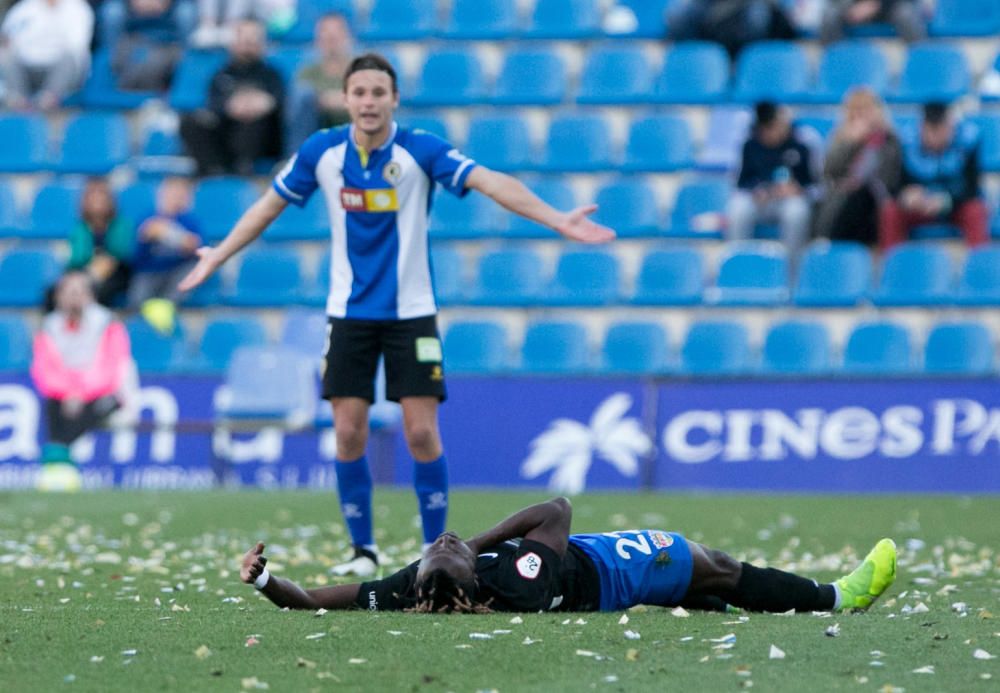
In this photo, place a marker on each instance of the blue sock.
(430, 479)
(354, 484)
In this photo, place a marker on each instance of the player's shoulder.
(421, 142)
(320, 141)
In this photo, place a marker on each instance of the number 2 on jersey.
(640, 543)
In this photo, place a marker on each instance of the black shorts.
(412, 350)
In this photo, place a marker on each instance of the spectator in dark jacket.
(243, 121)
(904, 15)
(863, 165)
(146, 54)
(102, 243)
(940, 181)
(775, 182)
(733, 23)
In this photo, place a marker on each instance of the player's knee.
(422, 439)
(351, 438)
(726, 568)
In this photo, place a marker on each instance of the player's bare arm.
(547, 523)
(285, 593)
(512, 194)
(249, 227)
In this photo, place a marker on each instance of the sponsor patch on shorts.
(661, 540)
(529, 565)
(428, 350)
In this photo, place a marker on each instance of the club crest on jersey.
(392, 172)
(370, 200)
(661, 540)
(529, 565)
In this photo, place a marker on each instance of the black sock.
(768, 589)
(703, 602)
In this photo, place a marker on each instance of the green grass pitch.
(122, 591)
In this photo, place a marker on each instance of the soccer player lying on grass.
(530, 562)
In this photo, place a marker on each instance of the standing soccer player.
(378, 180)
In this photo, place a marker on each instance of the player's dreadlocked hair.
(439, 592)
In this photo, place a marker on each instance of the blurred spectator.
(80, 365)
(46, 51)
(775, 181)
(243, 121)
(217, 19)
(904, 15)
(167, 241)
(733, 23)
(150, 46)
(316, 99)
(102, 243)
(940, 181)
(863, 164)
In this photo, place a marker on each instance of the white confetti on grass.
(679, 612)
(320, 612)
(96, 659)
(357, 660)
(585, 653)
(315, 636)
(983, 654)
(728, 637)
(130, 653)
(632, 635)
(517, 620)
(480, 636)
(251, 683)
(832, 631)
(776, 653)
(929, 669)
(623, 620)
(529, 641)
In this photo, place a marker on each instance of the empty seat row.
(92, 143)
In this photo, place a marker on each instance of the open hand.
(208, 262)
(253, 564)
(577, 227)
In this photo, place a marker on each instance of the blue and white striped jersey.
(379, 203)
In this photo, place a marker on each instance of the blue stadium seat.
(153, 351)
(94, 143)
(915, 274)
(878, 348)
(771, 70)
(672, 277)
(448, 269)
(797, 347)
(308, 13)
(509, 278)
(101, 91)
(54, 211)
(752, 273)
(833, 274)
(25, 275)
(317, 291)
(208, 294)
(585, 278)
(980, 281)
(15, 344)
(719, 347)
(222, 336)
(693, 72)
(847, 65)
(649, 16)
(629, 207)
(635, 348)
(481, 20)
(475, 347)
(450, 78)
(577, 143)
(11, 223)
(989, 140)
(137, 200)
(430, 123)
(564, 19)
(615, 74)
(26, 143)
(728, 127)
(700, 208)
(964, 348)
(933, 72)
(288, 60)
(658, 143)
(472, 216)
(309, 223)
(555, 347)
(820, 125)
(400, 20)
(189, 87)
(501, 142)
(267, 277)
(269, 383)
(965, 18)
(219, 202)
(556, 191)
(531, 77)
(305, 330)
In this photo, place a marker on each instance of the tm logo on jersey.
(372, 200)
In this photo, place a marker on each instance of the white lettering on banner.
(953, 417)
(800, 434)
(902, 428)
(264, 446)
(739, 426)
(990, 431)
(850, 433)
(677, 433)
(162, 404)
(19, 413)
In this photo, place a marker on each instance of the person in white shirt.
(46, 51)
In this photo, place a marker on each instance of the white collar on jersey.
(388, 140)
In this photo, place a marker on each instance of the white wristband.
(261, 581)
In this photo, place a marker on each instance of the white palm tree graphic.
(568, 446)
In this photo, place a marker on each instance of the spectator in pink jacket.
(81, 358)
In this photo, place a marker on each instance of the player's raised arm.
(285, 593)
(515, 196)
(251, 225)
(547, 523)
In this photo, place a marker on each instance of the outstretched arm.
(514, 195)
(547, 523)
(247, 229)
(285, 593)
